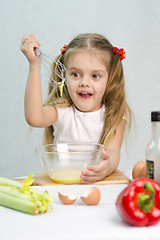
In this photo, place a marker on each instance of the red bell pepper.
(139, 203)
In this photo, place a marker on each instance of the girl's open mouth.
(85, 94)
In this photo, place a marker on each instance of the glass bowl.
(64, 162)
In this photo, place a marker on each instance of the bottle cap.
(155, 116)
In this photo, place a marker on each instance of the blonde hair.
(114, 97)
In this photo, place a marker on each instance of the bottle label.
(150, 169)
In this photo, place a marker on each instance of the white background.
(131, 24)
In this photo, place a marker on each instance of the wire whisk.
(59, 69)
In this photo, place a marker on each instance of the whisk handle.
(38, 52)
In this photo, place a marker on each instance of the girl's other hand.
(96, 173)
(28, 46)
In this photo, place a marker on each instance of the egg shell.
(138, 169)
(92, 196)
(66, 197)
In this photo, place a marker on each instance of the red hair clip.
(64, 49)
(120, 52)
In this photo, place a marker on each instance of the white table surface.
(74, 222)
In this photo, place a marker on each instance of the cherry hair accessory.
(64, 49)
(120, 52)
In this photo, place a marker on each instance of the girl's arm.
(36, 115)
(111, 158)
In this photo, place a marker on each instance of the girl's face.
(87, 79)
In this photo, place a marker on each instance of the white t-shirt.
(75, 126)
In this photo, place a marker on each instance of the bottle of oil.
(153, 149)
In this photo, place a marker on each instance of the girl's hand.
(96, 173)
(28, 46)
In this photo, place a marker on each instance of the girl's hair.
(114, 97)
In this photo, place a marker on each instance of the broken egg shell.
(92, 196)
(66, 197)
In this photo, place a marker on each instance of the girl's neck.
(90, 112)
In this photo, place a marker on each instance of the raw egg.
(92, 196)
(67, 197)
(139, 170)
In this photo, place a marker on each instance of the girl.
(93, 104)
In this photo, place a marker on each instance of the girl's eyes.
(75, 74)
(96, 76)
(78, 75)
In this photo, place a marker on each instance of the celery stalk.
(14, 193)
(44, 194)
(22, 197)
(9, 182)
(19, 204)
